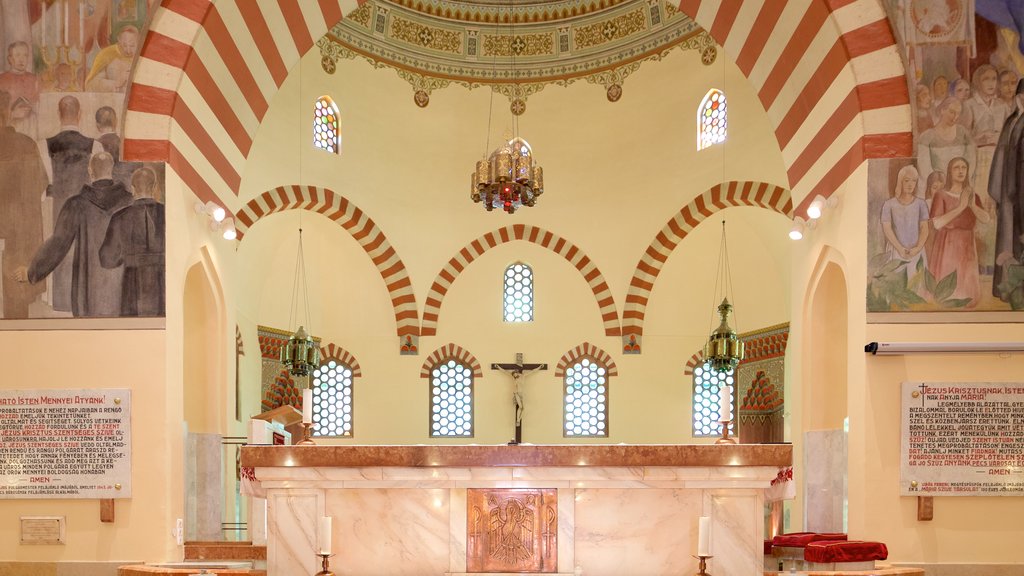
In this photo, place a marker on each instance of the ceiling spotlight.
(797, 231)
(228, 226)
(815, 207)
(211, 209)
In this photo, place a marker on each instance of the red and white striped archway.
(827, 72)
(358, 224)
(464, 257)
(719, 197)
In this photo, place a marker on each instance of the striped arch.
(827, 72)
(586, 350)
(362, 228)
(539, 236)
(696, 360)
(719, 197)
(334, 352)
(450, 352)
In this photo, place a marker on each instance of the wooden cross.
(518, 372)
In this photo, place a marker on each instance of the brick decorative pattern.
(449, 352)
(826, 71)
(719, 197)
(586, 350)
(464, 257)
(357, 223)
(332, 351)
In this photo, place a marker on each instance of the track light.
(797, 231)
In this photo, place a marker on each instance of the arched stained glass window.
(706, 410)
(326, 125)
(518, 293)
(451, 400)
(711, 119)
(332, 399)
(585, 403)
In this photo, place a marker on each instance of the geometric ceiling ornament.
(434, 43)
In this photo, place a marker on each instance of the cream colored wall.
(615, 174)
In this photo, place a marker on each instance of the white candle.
(725, 402)
(325, 535)
(307, 406)
(704, 536)
(81, 23)
(67, 23)
(42, 25)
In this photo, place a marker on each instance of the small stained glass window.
(518, 293)
(711, 119)
(332, 400)
(706, 410)
(585, 405)
(451, 400)
(326, 125)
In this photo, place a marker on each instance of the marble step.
(224, 551)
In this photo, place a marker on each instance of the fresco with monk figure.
(946, 228)
(81, 230)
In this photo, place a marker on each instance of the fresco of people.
(81, 230)
(945, 227)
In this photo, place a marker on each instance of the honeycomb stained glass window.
(326, 125)
(711, 119)
(518, 293)
(332, 400)
(451, 400)
(706, 383)
(586, 399)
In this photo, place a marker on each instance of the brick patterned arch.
(334, 352)
(448, 352)
(462, 259)
(827, 72)
(357, 223)
(719, 197)
(696, 360)
(586, 350)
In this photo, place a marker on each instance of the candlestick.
(725, 439)
(703, 567)
(325, 565)
(704, 536)
(307, 405)
(325, 535)
(307, 435)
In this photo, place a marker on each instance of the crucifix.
(518, 372)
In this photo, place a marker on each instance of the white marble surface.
(737, 531)
(636, 532)
(390, 532)
(204, 487)
(825, 477)
(292, 521)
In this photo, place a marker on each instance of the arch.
(826, 71)
(462, 259)
(357, 223)
(448, 352)
(696, 360)
(332, 351)
(718, 197)
(586, 350)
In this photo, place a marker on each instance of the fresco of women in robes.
(64, 72)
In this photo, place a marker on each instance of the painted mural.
(946, 228)
(81, 230)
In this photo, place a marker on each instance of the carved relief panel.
(512, 530)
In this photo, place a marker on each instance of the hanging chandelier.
(300, 355)
(508, 178)
(724, 349)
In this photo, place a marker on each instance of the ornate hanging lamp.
(508, 178)
(301, 354)
(724, 349)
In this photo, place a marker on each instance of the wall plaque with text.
(962, 439)
(65, 443)
(42, 529)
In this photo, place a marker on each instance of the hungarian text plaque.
(65, 443)
(42, 529)
(962, 439)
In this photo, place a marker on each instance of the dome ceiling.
(434, 43)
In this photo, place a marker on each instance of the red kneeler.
(831, 551)
(802, 539)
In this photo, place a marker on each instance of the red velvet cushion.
(844, 551)
(801, 539)
(767, 547)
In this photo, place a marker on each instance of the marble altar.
(402, 510)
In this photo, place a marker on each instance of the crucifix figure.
(518, 372)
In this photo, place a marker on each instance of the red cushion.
(825, 551)
(801, 539)
(767, 547)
